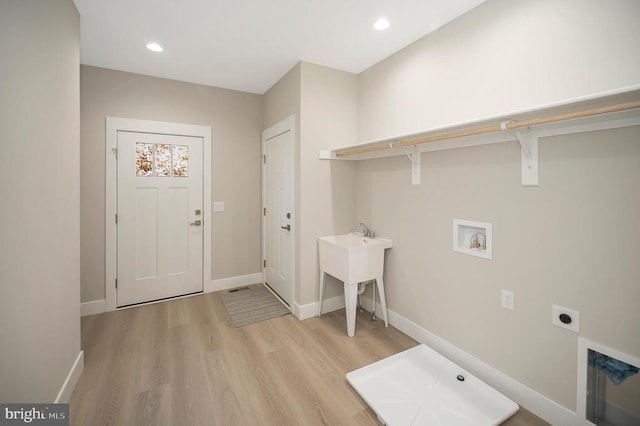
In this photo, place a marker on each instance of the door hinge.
(264, 211)
(116, 283)
(115, 152)
(264, 159)
(116, 217)
(264, 263)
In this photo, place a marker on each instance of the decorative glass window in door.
(158, 159)
(163, 160)
(180, 160)
(144, 159)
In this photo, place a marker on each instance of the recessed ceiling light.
(381, 24)
(154, 47)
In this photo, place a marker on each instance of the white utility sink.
(353, 258)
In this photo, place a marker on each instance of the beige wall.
(324, 102)
(281, 101)
(572, 241)
(236, 119)
(327, 188)
(502, 56)
(39, 189)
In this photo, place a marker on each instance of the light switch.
(218, 207)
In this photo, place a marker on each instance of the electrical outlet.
(565, 318)
(507, 299)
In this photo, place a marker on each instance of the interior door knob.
(196, 223)
(287, 228)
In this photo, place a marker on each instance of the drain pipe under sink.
(362, 287)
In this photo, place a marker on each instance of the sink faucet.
(366, 231)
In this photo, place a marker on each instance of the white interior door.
(159, 216)
(278, 193)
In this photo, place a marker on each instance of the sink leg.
(322, 282)
(383, 300)
(350, 300)
(373, 308)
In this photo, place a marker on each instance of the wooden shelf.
(598, 112)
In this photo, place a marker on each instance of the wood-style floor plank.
(182, 362)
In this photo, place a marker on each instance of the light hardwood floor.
(182, 363)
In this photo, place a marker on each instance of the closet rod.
(507, 125)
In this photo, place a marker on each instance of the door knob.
(196, 223)
(288, 227)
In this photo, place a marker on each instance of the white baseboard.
(311, 309)
(93, 307)
(70, 382)
(99, 306)
(232, 282)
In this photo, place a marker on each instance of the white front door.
(278, 194)
(159, 216)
